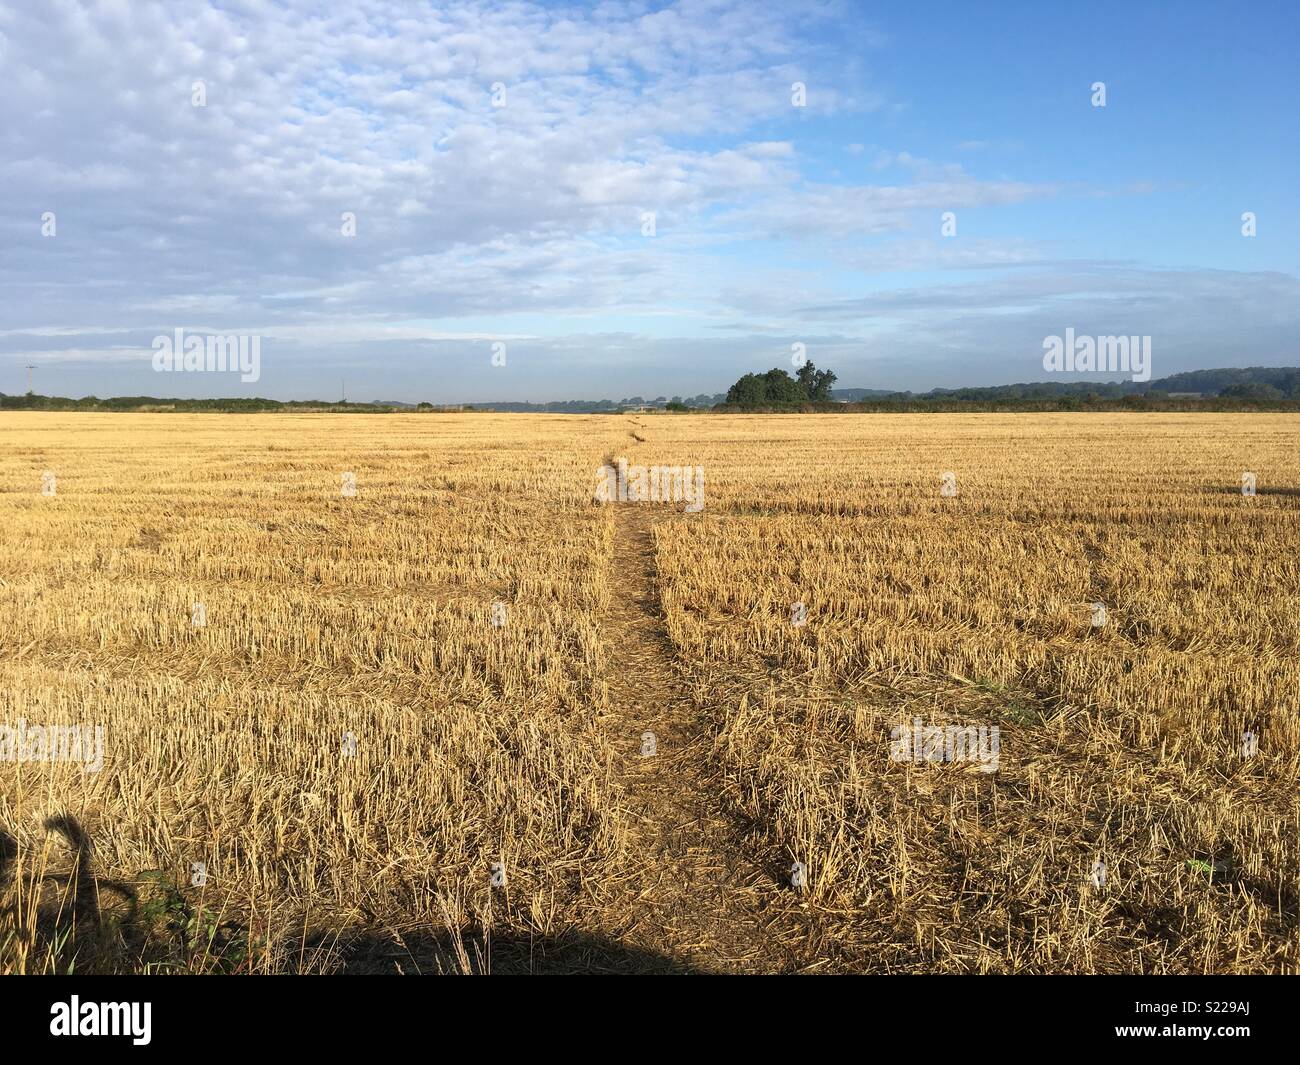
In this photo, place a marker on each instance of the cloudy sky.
(630, 197)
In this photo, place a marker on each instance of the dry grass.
(372, 616)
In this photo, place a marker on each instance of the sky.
(517, 201)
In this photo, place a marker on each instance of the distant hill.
(1285, 379)
(1238, 382)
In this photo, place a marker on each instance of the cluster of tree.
(1263, 392)
(565, 406)
(235, 405)
(703, 400)
(776, 388)
(1240, 382)
(605, 406)
(676, 403)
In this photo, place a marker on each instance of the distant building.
(1185, 395)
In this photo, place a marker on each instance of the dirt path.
(693, 900)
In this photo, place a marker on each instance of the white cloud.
(228, 216)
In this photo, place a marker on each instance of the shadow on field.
(84, 895)
(1263, 490)
(61, 914)
(413, 953)
(76, 917)
(8, 858)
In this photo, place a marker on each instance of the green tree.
(819, 390)
(816, 383)
(782, 388)
(749, 391)
(1254, 392)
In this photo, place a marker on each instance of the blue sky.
(522, 224)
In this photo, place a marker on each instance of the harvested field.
(405, 730)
